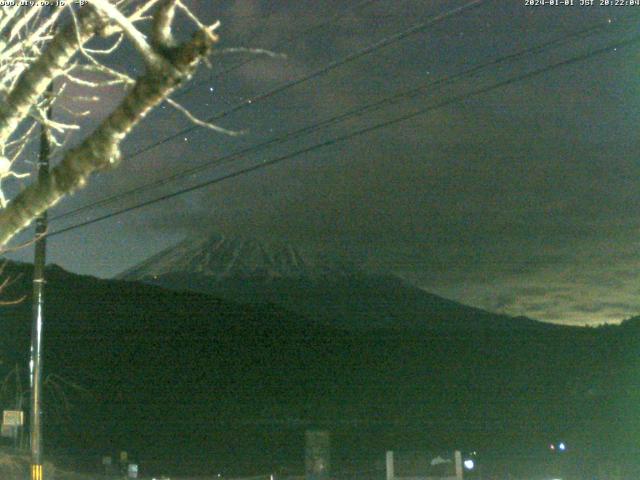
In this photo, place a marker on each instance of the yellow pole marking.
(36, 472)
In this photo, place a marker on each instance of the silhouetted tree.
(40, 45)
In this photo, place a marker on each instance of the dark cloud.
(519, 200)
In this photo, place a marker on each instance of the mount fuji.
(248, 270)
(222, 257)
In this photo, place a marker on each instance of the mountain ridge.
(345, 296)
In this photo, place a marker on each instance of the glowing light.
(552, 447)
(468, 464)
(562, 446)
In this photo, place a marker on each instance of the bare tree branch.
(201, 123)
(101, 150)
(129, 29)
(33, 82)
(34, 52)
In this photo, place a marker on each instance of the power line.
(534, 73)
(339, 118)
(367, 50)
(322, 71)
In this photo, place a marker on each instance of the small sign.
(14, 418)
(132, 471)
(123, 457)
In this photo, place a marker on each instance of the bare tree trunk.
(101, 149)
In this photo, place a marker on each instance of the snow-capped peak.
(229, 256)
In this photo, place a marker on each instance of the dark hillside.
(185, 378)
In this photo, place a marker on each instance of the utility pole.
(38, 307)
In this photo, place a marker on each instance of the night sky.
(521, 200)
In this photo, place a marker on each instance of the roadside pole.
(35, 365)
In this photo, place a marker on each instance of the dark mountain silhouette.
(188, 382)
(351, 301)
(250, 271)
